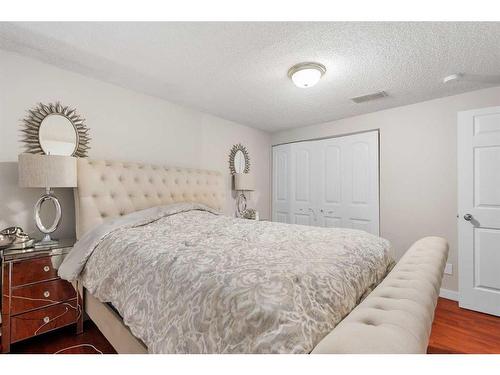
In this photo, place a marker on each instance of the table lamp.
(47, 171)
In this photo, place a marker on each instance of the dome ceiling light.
(306, 74)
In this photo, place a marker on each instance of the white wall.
(124, 125)
(418, 166)
(418, 178)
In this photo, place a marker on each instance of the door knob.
(468, 217)
(314, 213)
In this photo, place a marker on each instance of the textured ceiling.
(238, 71)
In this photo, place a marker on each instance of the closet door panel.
(361, 181)
(332, 173)
(360, 173)
(281, 184)
(361, 224)
(332, 222)
(303, 174)
(329, 180)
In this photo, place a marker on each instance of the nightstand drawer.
(33, 270)
(36, 322)
(42, 294)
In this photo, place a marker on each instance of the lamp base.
(241, 204)
(46, 242)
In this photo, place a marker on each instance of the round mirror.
(239, 162)
(54, 129)
(57, 135)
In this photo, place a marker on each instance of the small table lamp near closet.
(243, 182)
(47, 171)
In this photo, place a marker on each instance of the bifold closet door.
(281, 183)
(303, 189)
(331, 182)
(294, 186)
(348, 183)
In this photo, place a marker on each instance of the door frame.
(322, 138)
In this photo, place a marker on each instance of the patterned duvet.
(187, 280)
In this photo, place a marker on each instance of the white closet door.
(332, 209)
(348, 184)
(331, 182)
(281, 183)
(303, 190)
(361, 182)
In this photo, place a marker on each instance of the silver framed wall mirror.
(239, 160)
(54, 129)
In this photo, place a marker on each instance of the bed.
(228, 285)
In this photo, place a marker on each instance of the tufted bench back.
(107, 189)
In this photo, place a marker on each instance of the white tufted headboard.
(108, 189)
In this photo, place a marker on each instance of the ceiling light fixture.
(306, 74)
(453, 78)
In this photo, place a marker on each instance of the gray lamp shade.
(46, 171)
(244, 182)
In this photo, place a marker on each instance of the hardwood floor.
(52, 342)
(457, 330)
(454, 330)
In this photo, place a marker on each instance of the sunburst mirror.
(239, 160)
(54, 129)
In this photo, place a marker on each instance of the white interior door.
(331, 182)
(479, 209)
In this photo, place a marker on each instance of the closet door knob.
(468, 217)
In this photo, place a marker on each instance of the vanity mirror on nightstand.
(34, 299)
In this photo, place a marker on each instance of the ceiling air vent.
(369, 97)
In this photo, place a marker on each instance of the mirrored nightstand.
(34, 299)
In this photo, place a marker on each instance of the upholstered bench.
(397, 316)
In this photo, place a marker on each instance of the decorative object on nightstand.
(15, 238)
(243, 182)
(34, 299)
(47, 171)
(250, 214)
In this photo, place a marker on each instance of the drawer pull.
(46, 319)
(46, 294)
(46, 268)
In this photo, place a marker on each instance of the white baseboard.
(448, 294)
